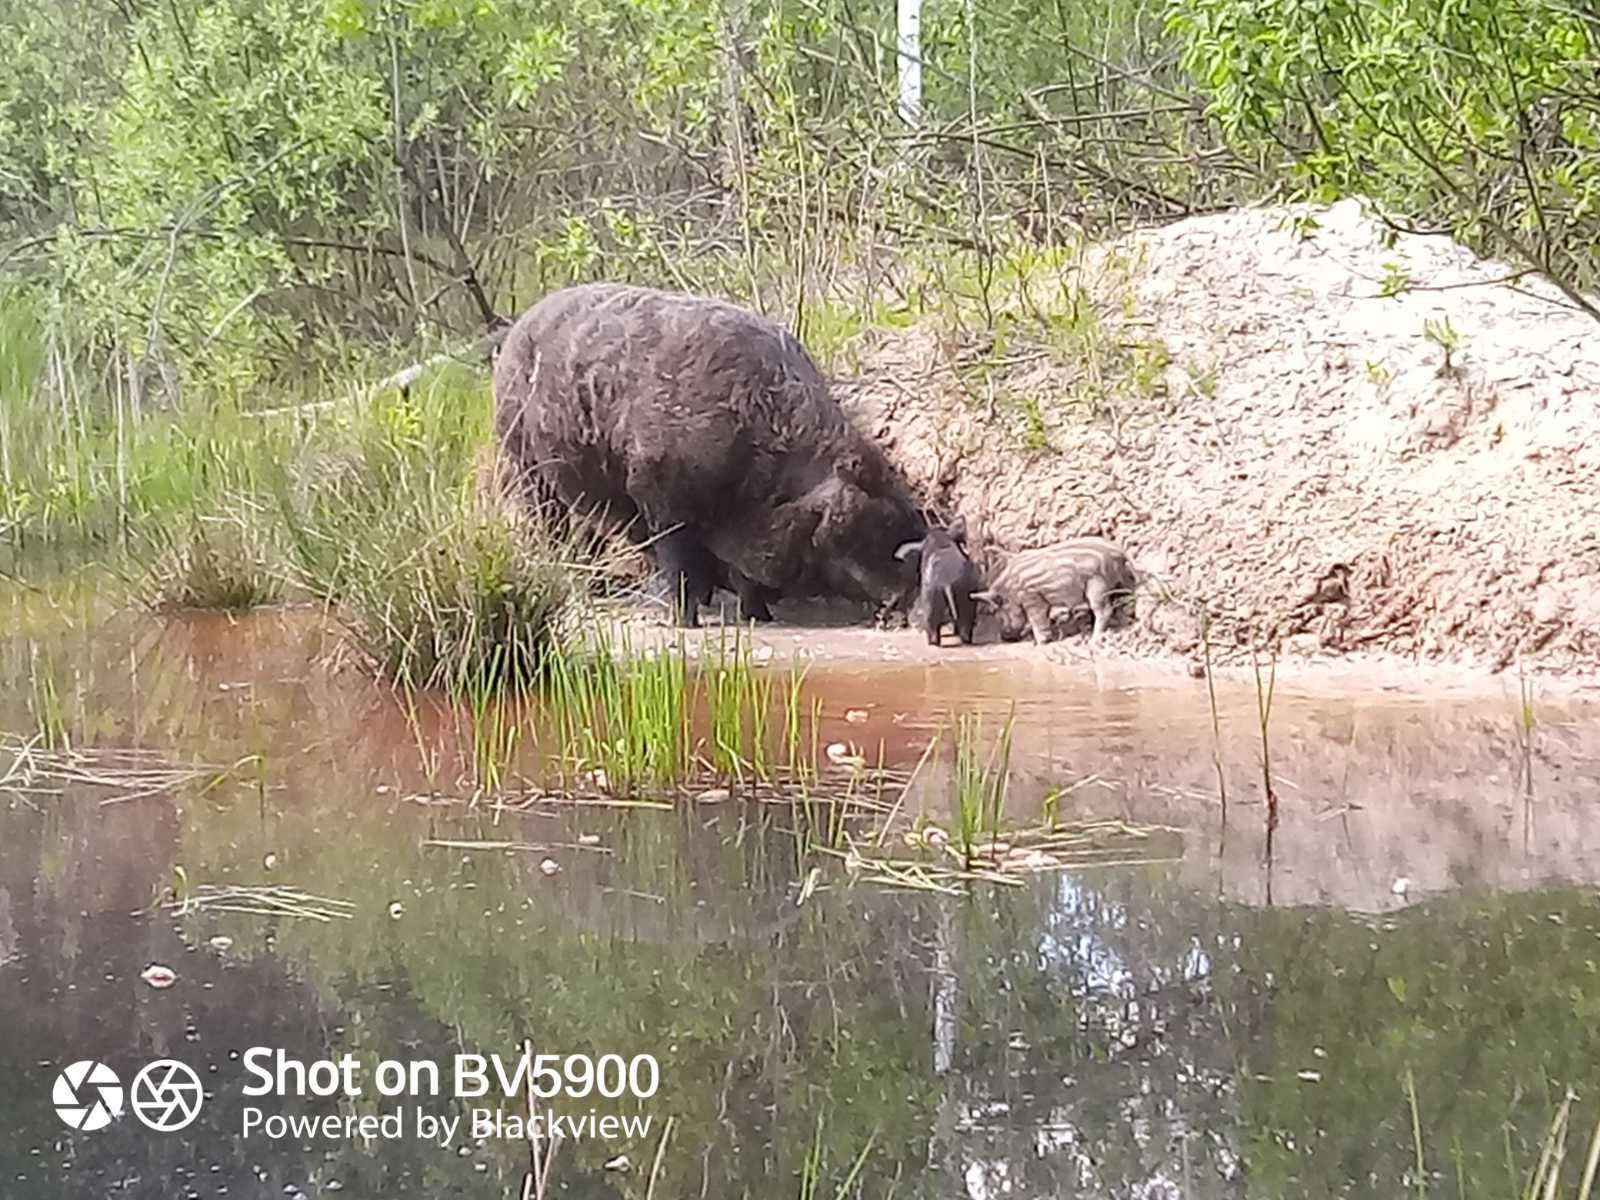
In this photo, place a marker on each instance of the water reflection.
(1148, 1031)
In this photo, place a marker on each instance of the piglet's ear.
(958, 531)
(907, 549)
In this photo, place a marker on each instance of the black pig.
(708, 433)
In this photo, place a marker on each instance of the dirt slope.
(1249, 409)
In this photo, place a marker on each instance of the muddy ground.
(844, 639)
(1261, 397)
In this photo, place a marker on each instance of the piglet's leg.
(1098, 594)
(1038, 613)
(938, 613)
(966, 619)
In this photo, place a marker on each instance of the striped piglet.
(1082, 573)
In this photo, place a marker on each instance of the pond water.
(1414, 971)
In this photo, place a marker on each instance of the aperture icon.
(166, 1095)
(87, 1095)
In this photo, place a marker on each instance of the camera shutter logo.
(166, 1095)
(87, 1095)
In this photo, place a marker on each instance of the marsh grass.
(980, 845)
(222, 562)
(622, 719)
(613, 723)
(495, 734)
(116, 775)
(459, 606)
(981, 782)
(736, 693)
(52, 731)
(625, 719)
(1264, 695)
(365, 502)
(22, 351)
(659, 728)
(256, 900)
(436, 582)
(86, 469)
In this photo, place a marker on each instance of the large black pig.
(709, 434)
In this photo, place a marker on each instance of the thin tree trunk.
(908, 47)
(401, 202)
(736, 137)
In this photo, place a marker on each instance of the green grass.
(630, 717)
(222, 562)
(436, 599)
(364, 503)
(51, 729)
(624, 715)
(434, 583)
(495, 734)
(85, 476)
(981, 782)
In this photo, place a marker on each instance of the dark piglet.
(948, 581)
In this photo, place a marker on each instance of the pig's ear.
(907, 549)
(958, 531)
(788, 548)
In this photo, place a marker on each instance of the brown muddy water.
(1416, 965)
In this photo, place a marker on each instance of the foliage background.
(220, 194)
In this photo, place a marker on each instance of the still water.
(1413, 973)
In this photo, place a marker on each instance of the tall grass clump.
(739, 700)
(642, 721)
(624, 715)
(434, 597)
(224, 561)
(21, 363)
(800, 756)
(435, 583)
(495, 734)
(981, 782)
(48, 709)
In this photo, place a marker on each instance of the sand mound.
(1276, 414)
